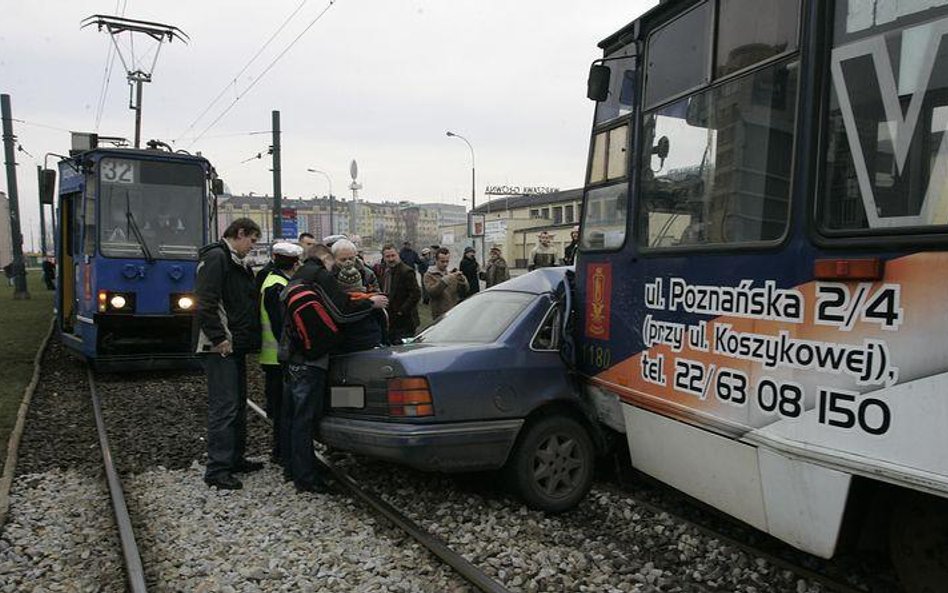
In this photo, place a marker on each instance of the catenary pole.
(39, 179)
(19, 281)
(277, 199)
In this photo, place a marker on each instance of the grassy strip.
(23, 323)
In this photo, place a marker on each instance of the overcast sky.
(379, 81)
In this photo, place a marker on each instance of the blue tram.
(131, 223)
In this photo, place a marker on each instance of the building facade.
(515, 222)
(375, 223)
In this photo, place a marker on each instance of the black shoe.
(245, 467)
(317, 487)
(287, 477)
(225, 482)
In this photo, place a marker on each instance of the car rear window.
(480, 319)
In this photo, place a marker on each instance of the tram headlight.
(183, 302)
(117, 301)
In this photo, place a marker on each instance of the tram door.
(68, 271)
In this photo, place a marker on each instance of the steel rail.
(133, 560)
(435, 544)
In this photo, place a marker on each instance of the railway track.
(436, 545)
(269, 538)
(130, 554)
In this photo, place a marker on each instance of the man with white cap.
(285, 259)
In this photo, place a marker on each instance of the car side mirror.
(217, 186)
(597, 85)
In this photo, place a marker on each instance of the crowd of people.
(312, 299)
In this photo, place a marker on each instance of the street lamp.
(332, 227)
(451, 134)
(473, 185)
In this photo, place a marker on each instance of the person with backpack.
(316, 310)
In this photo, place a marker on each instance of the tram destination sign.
(519, 190)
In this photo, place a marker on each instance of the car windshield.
(480, 319)
(151, 209)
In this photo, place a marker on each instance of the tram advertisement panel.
(852, 366)
(720, 314)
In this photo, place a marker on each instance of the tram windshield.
(150, 209)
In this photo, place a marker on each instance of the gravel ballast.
(268, 537)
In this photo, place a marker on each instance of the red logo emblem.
(598, 300)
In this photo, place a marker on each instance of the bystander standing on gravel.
(496, 270)
(400, 284)
(444, 287)
(543, 255)
(307, 339)
(569, 253)
(285, 259)
(471, 270)
(228, 329)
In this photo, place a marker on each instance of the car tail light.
(409, 396)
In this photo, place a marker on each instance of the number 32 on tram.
(763, 269)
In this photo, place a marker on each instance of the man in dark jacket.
(470, 268)
(228, 329)
(304, 395)
(400, 284)
(408, 255)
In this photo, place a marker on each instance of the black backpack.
(309, 326)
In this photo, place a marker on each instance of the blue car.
(488, 386)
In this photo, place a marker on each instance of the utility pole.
(19, 267)
(40, 181)
(277, 200)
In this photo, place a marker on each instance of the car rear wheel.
(552, 466)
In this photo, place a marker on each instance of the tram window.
(161, 208)
(597, 165)
(886, 159)
(678, 56)
(726, 176)
(604, 217)
(88, 220)
(750, 31)
(610, 155)
(621, 97)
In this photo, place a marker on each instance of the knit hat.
(350, 280)
(469, 249)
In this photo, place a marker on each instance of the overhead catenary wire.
(254, 82)
(107, 75)
(233, 83)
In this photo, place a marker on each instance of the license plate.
(347, 397)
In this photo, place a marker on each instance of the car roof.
(536, 282)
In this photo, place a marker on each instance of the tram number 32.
(835, 407)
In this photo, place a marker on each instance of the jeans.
(303, 396)
(273, 389)
(226, 413)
